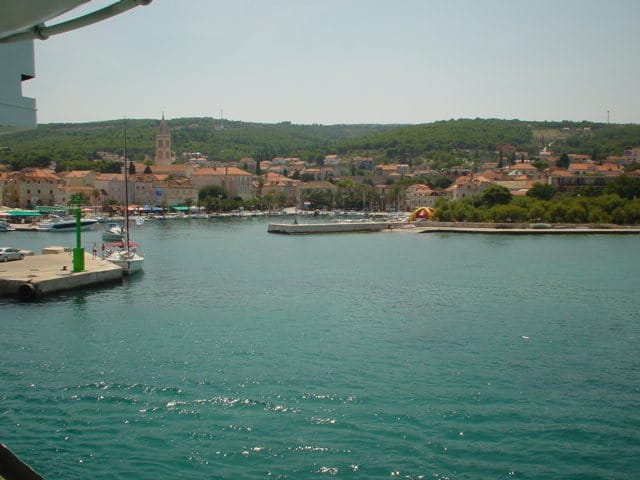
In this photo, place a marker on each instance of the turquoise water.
(240, 354)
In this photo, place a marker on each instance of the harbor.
(239, 351)
(51, 272)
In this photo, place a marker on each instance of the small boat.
(6, 226)
(66, 224)
(113, 232)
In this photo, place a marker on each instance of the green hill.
(76, 145)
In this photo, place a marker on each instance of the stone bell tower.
(163, 145)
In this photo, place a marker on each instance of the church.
(164, 157)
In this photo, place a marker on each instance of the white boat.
(6, 226)
(125, 253)
(66, 224)
(113, 232)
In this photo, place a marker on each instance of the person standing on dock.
(95, 250)
(102, 247)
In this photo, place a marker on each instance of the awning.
(47, 209)
(180, 208)
(120, 244)
(24, 213)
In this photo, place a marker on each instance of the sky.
(346, 61)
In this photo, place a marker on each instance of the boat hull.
(307, 228)
(129, 262)
(68, 225)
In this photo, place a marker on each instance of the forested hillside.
(75, 146)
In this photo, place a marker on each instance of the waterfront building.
(275, 184)
(79, 178)
(236, 182)
(173, 191)
(467, 186)
(420, 195)
(31, 187)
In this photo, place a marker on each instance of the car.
(10, 253)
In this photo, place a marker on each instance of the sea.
(239, 354)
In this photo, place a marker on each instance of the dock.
(331, 227)
(37, 276)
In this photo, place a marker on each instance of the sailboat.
(125, 253)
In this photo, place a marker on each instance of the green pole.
(78, 252)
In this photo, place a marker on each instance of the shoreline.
(527, 229)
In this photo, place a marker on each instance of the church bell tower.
(163, 144)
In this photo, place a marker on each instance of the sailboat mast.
(126, 187)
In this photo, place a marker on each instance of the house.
(308, 189)
(312, 173)
(420, 195)
(517, 187)
(236, 182)
(79, 178)
(519, 169)
(175, 170)
(562, 179)
(332, 160)
(579, 158)
(581, 169)
(110, 185)
(609, 169)
(140, 188)
(364, 163)
(382, 169)
(175, 191)
(275, 184)
(467, 186)
(545, 155)
(31, 187)
(633, 154)
(506, 148)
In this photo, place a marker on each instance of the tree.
(563, 161)
(147, 169)
(542, 191)
(212, 191)
(80, 198)
(132, 168)
(496, 195)
(625, 186)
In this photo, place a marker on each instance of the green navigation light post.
(78, 251)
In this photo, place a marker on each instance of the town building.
(420, 195)
(236, 182)
(31, 187)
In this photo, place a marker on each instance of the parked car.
(10, 253)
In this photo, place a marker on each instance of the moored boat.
(126, 255)
(113, 232)
(6, 226)
(66, 224)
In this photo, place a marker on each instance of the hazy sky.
(347, 61)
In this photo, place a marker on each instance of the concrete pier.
(336, 227)
(41, 275)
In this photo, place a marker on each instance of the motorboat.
(6, 226)
(66, 224)
(113, 232)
